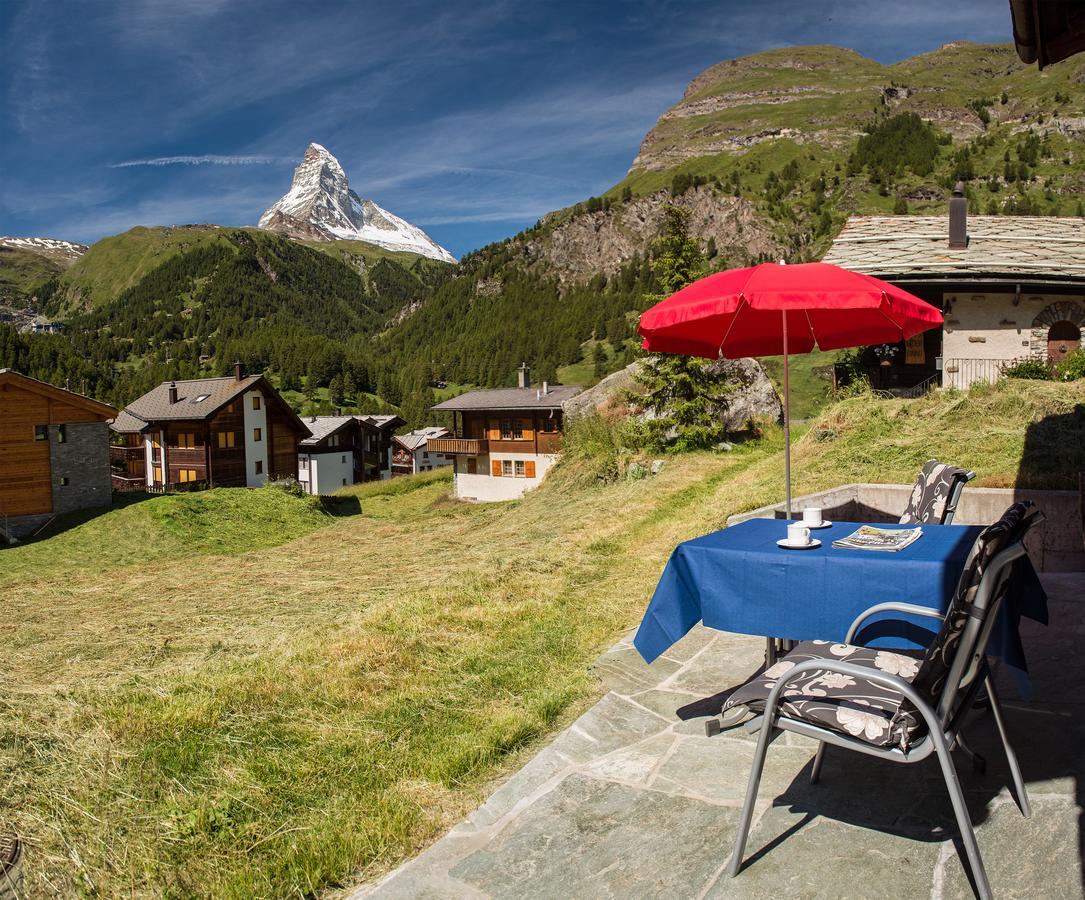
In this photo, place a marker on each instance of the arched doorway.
(1062, 339)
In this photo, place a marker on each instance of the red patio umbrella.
(775, 309)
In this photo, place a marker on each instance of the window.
(342, 459)
(64, 481)
(226, 440)
(303, 463)
(512, 430)
(519, 468)
(257, 434)
(344, 482)
(256, 401)
(201, 398)
(259, 467)
(41, 432)
(62, 434)
(186, 440)
(506, 468)
(549, 425)
(186, 476)
(425, 455)
(333, 441)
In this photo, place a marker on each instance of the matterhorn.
(320, 206)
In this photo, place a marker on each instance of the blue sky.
(470, 119)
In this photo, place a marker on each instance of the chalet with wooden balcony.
(210, 432)
(345, 450)
(54, 453)
(377, 438)
(506, 438)
(411, 453)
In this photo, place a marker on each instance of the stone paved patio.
(633, 800)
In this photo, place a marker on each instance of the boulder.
(754, 396)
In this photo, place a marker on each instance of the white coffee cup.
(798, 535)
(811, 516)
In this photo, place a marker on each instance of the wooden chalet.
(54, 453)
(507, 438)
(209, 432)
(344, 450)
(411, 453)
(378, 458)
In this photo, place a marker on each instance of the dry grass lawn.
(247, 697)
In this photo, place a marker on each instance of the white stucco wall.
(485, 487)
(328, 472)
(435, 460)
(981, 331)
(255, 450)
(148, 455)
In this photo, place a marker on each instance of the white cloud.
(204, 160)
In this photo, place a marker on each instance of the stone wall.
(82, 459)
(984, 331)
(1056, 545)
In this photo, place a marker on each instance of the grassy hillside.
(21, 271)
(279, 719)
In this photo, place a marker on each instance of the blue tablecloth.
(738, 580)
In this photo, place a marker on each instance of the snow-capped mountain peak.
(321, 206)
(61, 251)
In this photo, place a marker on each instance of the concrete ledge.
(1057, 545)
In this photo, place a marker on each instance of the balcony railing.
(463, 446)
(960, 373)
(119, 452)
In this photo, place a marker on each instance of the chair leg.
(1011, 757)
(757, 766)
(819, 758)
(964, 821)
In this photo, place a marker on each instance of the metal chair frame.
(967, 675)
(955, 496)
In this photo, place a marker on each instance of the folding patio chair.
(892, 705)
(935, 494)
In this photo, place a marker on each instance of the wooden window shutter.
(495, 467)
(529, 468)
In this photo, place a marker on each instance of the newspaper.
(870, 537)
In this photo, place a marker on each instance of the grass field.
(235, 694)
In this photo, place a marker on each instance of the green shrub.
(1033, 369)
(1072, 367)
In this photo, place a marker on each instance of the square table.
(738, 580)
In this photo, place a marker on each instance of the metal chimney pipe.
(524, 375)
(173, 392)
(958, 219)
(546, 388)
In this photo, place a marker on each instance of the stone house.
(1010, 288)
(54, 453)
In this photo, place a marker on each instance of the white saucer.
(787, 545)
(825, 523)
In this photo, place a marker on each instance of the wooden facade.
(185, 454)
(524, 431)
(31, 412)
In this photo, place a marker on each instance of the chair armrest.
(844, 667)
(910, 608)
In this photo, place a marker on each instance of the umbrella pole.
(787, 427)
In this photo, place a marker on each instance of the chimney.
(958, 219)
(237, 370)
(173, 392)
(546, 388)
(524, 376)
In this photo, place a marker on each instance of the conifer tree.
(680, 390)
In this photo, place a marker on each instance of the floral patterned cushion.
(852, 706)
(930, 493)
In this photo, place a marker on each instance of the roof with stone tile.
(321, 426)
(415, 440)
(1019, 247)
